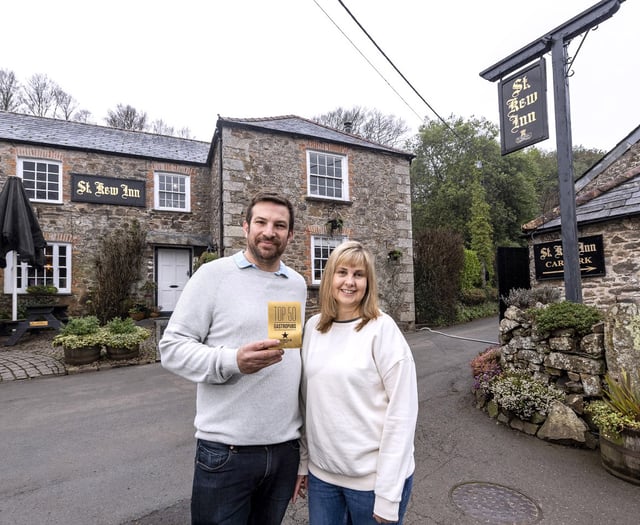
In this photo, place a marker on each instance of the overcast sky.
(188, 61)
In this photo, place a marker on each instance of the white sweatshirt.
(360, 396)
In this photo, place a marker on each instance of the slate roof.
(42, 131)
(619, 197)
(294, 125)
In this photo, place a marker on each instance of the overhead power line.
(395, 68)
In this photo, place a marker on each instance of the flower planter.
(118, 353)
(137, 316)
(621, 457)
(81, 356)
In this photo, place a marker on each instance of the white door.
(174, 270)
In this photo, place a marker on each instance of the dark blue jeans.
(235, 485)
(333, 505)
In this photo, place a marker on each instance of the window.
(327, 175)
(321, 248)
(172, 192)
(56, 272)
(42, 179)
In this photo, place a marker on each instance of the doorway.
(174, 270)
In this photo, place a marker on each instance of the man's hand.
(253, 357)
(300, 489)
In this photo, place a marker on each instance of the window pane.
(326, 175)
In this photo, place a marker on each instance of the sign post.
(557, 41)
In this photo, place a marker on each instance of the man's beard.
(269, 255)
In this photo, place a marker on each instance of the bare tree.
(127, 117)
(82, 115)
(184, 133)
(39, 95)
(160, 127)
(65, 104)
(9, 91)
(369, 124)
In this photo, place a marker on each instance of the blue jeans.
(235, 485)
(333, 505)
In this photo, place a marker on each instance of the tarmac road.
(115, 447)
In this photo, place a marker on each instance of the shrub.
(485, 366)
(473, 296)
(123, 333)
(525, 298)
(522, 395)
(79, 332)
(471, 275)
(566, 314)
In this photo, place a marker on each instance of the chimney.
(347, 126)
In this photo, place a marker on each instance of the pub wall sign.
(107, 190)
(550, 264)
(523, 108)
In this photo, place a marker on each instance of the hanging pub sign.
(550, 264)
(523, 108)
(107, 190)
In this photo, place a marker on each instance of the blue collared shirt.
(243, 263)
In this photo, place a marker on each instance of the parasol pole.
(14, 304)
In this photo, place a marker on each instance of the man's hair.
(270, 197)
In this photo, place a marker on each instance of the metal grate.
(495, 504)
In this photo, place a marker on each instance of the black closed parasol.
(20, 230)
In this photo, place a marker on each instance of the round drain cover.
(494, 503)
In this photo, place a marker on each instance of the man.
(247, 413)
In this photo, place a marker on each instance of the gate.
(513, 272)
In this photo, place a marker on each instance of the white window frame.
(312, 171)
(326, 245)
(42, 180)
(49, 275)
(159, 183)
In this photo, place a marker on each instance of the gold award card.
(285, 323)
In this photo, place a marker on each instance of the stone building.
(608, 219)
(189, 196)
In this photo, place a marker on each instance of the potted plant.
(41, 295)
(80, 340)
(138, 311)
(617, 417)
(122, 338)
(394, 254)
(335, 225)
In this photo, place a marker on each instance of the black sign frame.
(523, 108)
(549, 262)
(108, 190)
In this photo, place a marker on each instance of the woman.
(360, 398)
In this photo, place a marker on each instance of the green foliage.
(566, 314)
(204, 258)
(610, 422)
(522, 395)
(525, 298)
(439, 258)
(42, 289)
(123, 333)
(465, 314)
(621, 397)
(88, 324)
(473, 297)
(471, 276)
(481, 230)
(118, 263)
(79, 332)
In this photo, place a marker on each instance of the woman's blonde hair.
(350, 253)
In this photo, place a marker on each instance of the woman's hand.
(300, 489)
(381, 520)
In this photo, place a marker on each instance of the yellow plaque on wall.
(285, 323)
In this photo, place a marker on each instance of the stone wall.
(621, 245)
(575, 364)
(378, 211)
(84, 224)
